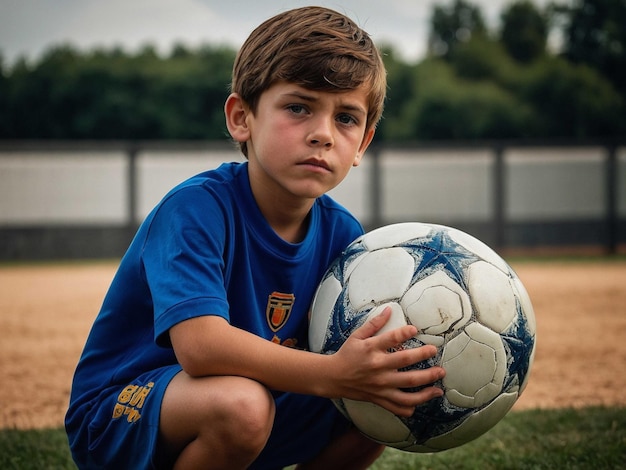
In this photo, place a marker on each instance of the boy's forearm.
(362, 369)
(210, 346)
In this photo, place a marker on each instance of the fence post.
(375, 188)
(499, 199)
(131, 176)
(612, 225)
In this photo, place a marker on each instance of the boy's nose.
(325, 143)
(321, 135)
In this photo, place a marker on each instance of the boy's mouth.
(316, 162)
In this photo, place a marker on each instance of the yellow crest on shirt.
(278, 309)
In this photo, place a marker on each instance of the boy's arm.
(362, 369)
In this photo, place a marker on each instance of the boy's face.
(302, 143)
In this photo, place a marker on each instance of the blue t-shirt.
(206, 249)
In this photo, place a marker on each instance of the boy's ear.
(367, 140)
(236, 111)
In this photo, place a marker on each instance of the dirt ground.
(46, 312)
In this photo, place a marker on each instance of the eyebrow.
(312, 99)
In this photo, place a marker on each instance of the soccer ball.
(462, 297)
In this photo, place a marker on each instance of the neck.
(289, 223)
(294, 232)
(288, 217)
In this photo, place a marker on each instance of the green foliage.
(475, 84)
(456, 101)
(453, 25)
(524, 31)
(111, 95)
(595, 34)
(572, 101)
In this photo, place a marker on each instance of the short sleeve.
(183, 259)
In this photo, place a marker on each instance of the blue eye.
(296, 108)
(346, 119)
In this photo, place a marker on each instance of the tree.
(481, 58)
(113, 95)
(4, 95)
(453, 25)
(595, 34)
(442, 105)
(524, 31)
(572, 101)
(399, 91)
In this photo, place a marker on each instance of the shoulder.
(206, 199)
(216, 184)
(331, 209)
(220, 178)
(335, 219)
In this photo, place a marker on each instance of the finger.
(415, 378)
(393, 338)
(411, 356)
(373, 325)
(404, 403)
(405, 411)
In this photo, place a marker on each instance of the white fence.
(506, 194)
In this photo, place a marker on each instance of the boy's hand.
(369, 372)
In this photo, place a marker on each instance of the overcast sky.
(28, 27)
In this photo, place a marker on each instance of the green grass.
(45, 449)
(590, 438)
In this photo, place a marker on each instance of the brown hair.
(315, 47)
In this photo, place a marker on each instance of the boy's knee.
(223, 420)
(248, 416)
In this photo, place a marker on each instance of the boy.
(185, 367)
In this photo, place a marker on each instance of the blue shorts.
(304, 425)
(120, 427)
